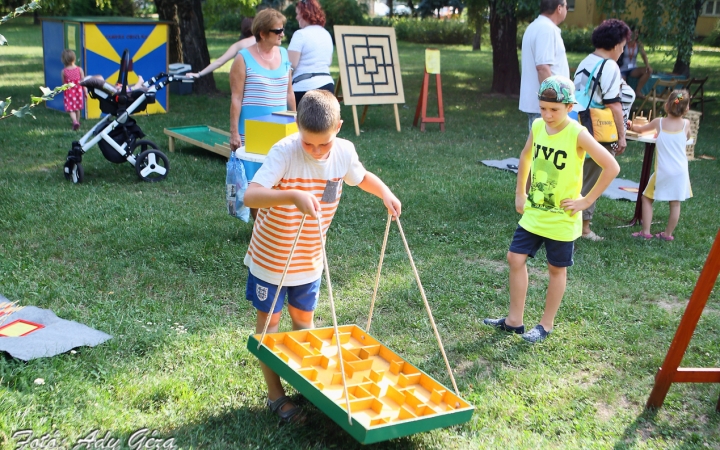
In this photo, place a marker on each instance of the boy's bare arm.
(522, 175)
(375, 186)
(610, 167)
(258, 196)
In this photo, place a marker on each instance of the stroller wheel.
(74, 172)
(152, 165)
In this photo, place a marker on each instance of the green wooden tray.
(209, 138)
(389, 397)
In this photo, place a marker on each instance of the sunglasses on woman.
(277, 30)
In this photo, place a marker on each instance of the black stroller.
(117, 134)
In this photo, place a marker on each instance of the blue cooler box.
(251, 162)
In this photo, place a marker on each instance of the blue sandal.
(292, 415)
(500, 324)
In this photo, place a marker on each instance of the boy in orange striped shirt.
(303, 174)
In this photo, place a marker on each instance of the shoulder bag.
(598, 119)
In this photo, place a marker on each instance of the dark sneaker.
(500, 324)
(537, 334)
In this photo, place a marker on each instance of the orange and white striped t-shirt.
(288, 166)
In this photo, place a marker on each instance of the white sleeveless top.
(671, 177)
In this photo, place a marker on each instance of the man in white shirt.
(543, 55)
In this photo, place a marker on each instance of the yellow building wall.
(705, 25)
(586, 13)
(583, 15)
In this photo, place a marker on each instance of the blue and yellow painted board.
(99, 44)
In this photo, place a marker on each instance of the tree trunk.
(503, 38)
(682, 66)
(477, 37)
(390, 6)
(194, 45)
(187, 41)
(167, 10)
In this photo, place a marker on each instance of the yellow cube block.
(261, 133)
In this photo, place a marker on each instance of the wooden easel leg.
(666, 374)
(171, 144)
(422, 99)
(441, 109)
(424, 96)
(338, 91)
(364, 114)
(355, 120)
(397, 117)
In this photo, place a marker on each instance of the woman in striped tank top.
(260, 76)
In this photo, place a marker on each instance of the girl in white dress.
(671, 180)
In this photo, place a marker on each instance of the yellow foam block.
(261, 133)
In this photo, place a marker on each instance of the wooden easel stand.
(670, 371)
(338, 95)
(421, 109)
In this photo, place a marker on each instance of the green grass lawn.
(159, 267)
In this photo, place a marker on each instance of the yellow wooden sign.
(432, 60)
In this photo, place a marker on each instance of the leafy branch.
(34, 101)
(18, 11)
(47, 94)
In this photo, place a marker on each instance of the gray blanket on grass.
(57, 336)
(616, 190)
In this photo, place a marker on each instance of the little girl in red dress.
(74, 98)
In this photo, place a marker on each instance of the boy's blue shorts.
(261, 294)
(559, 253)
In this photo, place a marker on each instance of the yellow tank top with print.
(556, 175)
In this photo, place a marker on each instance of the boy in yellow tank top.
(555, 151)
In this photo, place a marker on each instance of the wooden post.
(355, 120)
(670, 372)
(397, 117)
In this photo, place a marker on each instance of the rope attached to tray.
(282, 278)
(422, 293)
(332, 304)
(335, 325)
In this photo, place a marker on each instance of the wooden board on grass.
(203, 136)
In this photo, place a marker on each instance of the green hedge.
(578, 39)
(337, 12)
(713, 39)
(428, 31)
(228, 22)
(575, 39)
(349, 12)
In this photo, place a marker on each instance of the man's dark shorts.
(559, 253)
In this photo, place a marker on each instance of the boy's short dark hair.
(318, 112)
